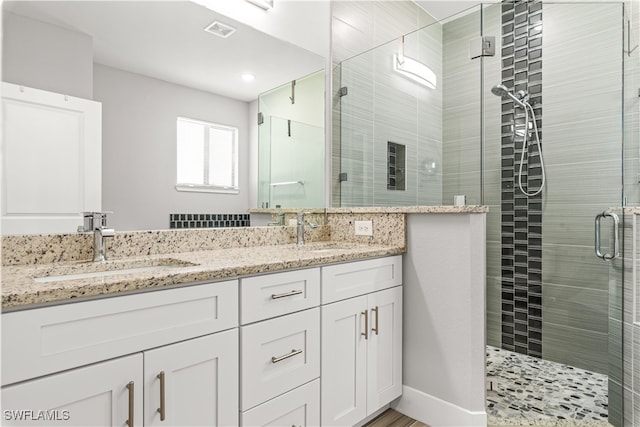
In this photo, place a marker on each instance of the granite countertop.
(445, 209)
(22, 286)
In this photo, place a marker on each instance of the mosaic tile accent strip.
(521, 223)
(528, 388)
(209, 220)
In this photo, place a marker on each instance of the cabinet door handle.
(130, 387)
(375, 328)
(162, 409)
(276, 359)
(286, 294)
(366, 324)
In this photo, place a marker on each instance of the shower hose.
(528, 106)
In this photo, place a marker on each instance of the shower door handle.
(616, 236)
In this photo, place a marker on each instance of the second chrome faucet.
(300, 224)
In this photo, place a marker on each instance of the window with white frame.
(207, 156)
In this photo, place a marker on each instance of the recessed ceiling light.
(263, 4)
(220, 29)
(248, 77)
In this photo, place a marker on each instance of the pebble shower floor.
(529, 388)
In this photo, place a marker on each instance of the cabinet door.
(384, 350)
(96, 395)
(200, 382)
(344, 362)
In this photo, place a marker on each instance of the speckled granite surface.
(388, 228)
(198, 254)
(19, 289)
(382, 209)
(49, 248)
(466, 209)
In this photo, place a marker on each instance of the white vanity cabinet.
(84, 358)
(280, 349)
(361, 340)
(309, 347)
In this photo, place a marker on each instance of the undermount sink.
(108, 268)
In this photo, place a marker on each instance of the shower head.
(502, 91)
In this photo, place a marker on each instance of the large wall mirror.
(150, 62)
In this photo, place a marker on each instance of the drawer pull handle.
(366, 325)
(286, 294)
(375, 328)
(130, 387)
(162, 409)
(276, 359)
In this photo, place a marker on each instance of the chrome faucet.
(97, 222)
(301, 223)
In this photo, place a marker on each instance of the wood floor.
(391, 418)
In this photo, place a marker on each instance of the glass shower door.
(549, 296)
(296, 149)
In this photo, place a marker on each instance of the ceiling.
(165, 40)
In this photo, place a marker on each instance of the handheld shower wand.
(521, 99)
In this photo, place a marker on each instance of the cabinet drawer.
(51, 339)
(272, 295)
(351, 279)
(279, 355)
(299, 407)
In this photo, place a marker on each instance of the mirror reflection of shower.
(521, 99)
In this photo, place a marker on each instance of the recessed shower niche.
(396, 166)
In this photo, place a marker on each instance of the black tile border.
(521, 224)
(209, 220)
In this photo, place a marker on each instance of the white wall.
(45, 56)
(139, 148)
(444, 332)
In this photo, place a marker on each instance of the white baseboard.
(436, 412)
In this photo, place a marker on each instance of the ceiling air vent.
(220, 29)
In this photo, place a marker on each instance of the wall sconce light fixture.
(263, 4)
(413, 69)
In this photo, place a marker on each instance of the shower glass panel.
(294, 176)
(441, 134)
(291, 144)
(550, 301)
